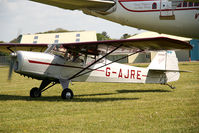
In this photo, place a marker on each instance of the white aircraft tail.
(165, 62)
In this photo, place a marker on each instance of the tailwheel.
(67, 94)
(34, 92)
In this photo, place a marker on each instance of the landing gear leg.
(66, 93)
(36, 92)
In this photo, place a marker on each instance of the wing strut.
(10, 50)
(74, 76)
(109, 63)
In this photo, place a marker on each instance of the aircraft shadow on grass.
(77, 98)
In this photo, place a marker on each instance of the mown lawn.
(102, 107)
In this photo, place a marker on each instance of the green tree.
(16, 40)
(3, 53)
(125, 36)
(103, 36)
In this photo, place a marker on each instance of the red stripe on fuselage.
(100, 70)
(38, 62)
(45, 63)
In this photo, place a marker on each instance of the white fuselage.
(161, 16)
(47, 66)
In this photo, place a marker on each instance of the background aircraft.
(86, 62)
(164, 16)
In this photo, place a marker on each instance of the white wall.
(66, 37)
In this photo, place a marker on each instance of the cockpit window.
(58, 50)
(67, 54)
(76, 55)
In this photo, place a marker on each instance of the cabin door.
(166, 11)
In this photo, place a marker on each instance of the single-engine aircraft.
(87, 62)
(176, 17)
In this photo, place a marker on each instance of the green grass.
(102, 107)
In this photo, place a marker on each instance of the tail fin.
(166, 62)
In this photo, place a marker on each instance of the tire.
(67, 94)
(34, 92)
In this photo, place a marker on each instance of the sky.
(23, 17)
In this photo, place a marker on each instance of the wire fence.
(4, 60)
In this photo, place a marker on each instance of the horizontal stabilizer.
(169, 70)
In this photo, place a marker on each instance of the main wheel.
(67, 94)
(34, 92)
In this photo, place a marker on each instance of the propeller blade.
(12, 62)
(10, 69)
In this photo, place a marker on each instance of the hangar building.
(66, 37)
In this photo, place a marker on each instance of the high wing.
(97, 47)
(127, 46)
(79, 4)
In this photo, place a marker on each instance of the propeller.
(12, 63)
(13, 55)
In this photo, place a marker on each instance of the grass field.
(102, 107)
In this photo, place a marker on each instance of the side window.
(74, 57)
(196, 4)
(190, 4)
(90, 59)
(179, 5)
(154, 5)
(184, 4)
